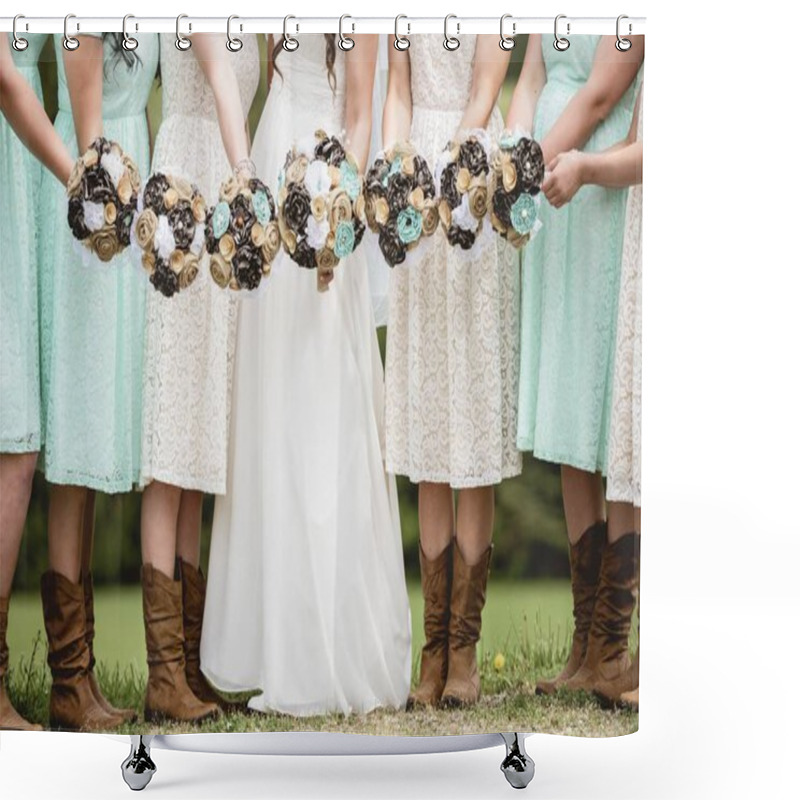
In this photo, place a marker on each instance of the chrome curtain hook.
(19, 43)
(451, 42)
(623, 45)
(345, 42)
(401, 43)
(181, 42)
(560, 43)
(290, 44)
(234, 43)
(70, 42)
(507, 42)
(128, 42)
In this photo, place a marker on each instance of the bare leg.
(436, 518)
(16, 480)
(584, 503)
(65, 529)
(475, 522)
(622, 519)
(190, 520)
(160, 506)
(87, 536)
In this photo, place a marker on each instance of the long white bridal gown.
(306, 587)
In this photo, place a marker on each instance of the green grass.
(529, 623)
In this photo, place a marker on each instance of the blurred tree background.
(530, 536)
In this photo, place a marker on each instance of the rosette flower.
(409, 225)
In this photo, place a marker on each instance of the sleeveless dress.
(452, 347)
(189, 338)
(92, 317)
(624, 482)
(306, 596)
(20, 428)
(570, 285)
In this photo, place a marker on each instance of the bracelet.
(244, 168)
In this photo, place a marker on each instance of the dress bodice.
(29, 57)
(441, 79)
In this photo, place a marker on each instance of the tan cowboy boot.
(168, 694)
(437, 578)
(72, 703)
(585, 557)
(10, 720)
(467, 598)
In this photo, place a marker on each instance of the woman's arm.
(212, 55)
(397, 108)
(488, 73)
(532, 77)
(360, 76)
(84, 70)
(612, 73)
(25, 114)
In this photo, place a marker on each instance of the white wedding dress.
(306, 587)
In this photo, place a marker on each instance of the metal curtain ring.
(451, 42)
(345, 42)
(181, 42)
(18, 43)
(401, 43)
(290, 44)
(70, 42)
(234, 44)
(507, 42)
(128, 42)
(623, 45)
(560, 43)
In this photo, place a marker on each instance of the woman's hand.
(565, 175)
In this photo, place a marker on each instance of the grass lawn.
(528, 623)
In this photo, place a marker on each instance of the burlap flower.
(220, 270)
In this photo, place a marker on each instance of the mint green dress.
(92, 316)
(570, 288)
(20, 182)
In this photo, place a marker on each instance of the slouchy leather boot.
(10, 720)
(72, 702)
(467, 599)
(437, 579)
(606, 670)
(127, 714)
(168, 694)
(585, 557)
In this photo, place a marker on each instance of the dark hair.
(130, 57)
(330, 57)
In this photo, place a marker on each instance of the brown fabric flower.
(220, 271)
(104, 243)
(145, 228)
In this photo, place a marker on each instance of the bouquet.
(400, 201)
(321, 204)
(103, 193)
(462, 173)
(514, 186)
(170, 231)
(242, 235)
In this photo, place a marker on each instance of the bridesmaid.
(570, 287)
(451, 366)
(188, 366)
(92, 333)
(25, 124)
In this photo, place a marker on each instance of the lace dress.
(20, 429)
(92, 317)
(189, 338)
(625, 435)
(570, 286)
(452, 350)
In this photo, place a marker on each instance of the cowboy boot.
(72, 703)
(467, 598)
(168, 694)
(585, 557)
(127, 714)
(437, 578)
(193, 585)
(10, 720)
(606, 670)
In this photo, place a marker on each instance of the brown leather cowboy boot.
(72, 703)
(10, 720)
(168, 694)
(606, 668)
(585, 557)
(127, 714)
(467, 598)
(437, 579)
(193, 586)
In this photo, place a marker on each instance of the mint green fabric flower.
(220, 219)
(523, 213)
(261, 207)
(348, 180)
(345, 239)
(409, 225)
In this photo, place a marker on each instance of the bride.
(306, 587)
